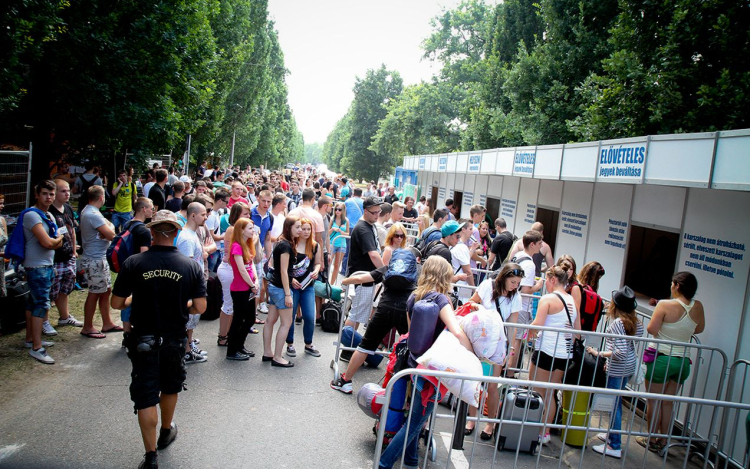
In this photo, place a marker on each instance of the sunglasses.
(399, 236)
(372, 212)
(517, 273)
(339, 210)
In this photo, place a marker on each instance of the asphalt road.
(234, 414)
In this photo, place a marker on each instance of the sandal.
(653, 446)
(222, 341)
(259, 321)
(254, 331)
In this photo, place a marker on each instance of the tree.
(420, 120)
(313, 153)
(371, 96)
(677, 66)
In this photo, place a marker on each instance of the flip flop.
(254, 331)
(260, 321)
(94, 335)
(114, 329)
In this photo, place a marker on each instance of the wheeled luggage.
(520, 407)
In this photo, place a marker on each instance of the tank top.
(556, 344)
(680, 331)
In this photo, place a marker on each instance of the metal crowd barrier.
(446, 425)
(731, 451)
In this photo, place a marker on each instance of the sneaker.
(607, 451)
(544, 439)
(196, 349)
(192, 357)
(45, 343)
(247, 352)
(47, 329)
(263, 308)
(298, 320)
(602, 437)
(312, 351)
(41, 355)
(291, 351)
(166, 436)
(341, 384)
(196, 341)
(239, 356)
(69, 321)
(150, 461)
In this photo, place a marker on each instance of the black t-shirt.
(141, 235)
(282, 247)
(501, 245)
(303, 265)
(158, 197)
(65, 218)
(174, 204)
(395, 295)
(440, 249)
(391, 198)
(363, 241)
(411, 213)
(161, 281)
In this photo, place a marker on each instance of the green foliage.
(116, 76)
(313, 154)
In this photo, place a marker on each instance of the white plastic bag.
(447, 354)
(486, 332)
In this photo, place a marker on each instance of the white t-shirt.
(189, 245)
(459, 258)
(212, 224)
(529, 269)
(508, 306)
(147, 188)
(278, 225)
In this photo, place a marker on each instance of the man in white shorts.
(364, 255)
(532, 243)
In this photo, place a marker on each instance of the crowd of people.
(264, 238)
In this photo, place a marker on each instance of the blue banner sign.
(622, 162)
(475, 162)
(442, 163)
(523, 163)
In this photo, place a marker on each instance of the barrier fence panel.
(512, 427)
(734, 441)
(15, 182)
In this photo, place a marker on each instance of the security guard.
(163, 287)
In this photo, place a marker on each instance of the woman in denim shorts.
(280, 293)
(339, 228)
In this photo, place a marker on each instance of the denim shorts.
(341, 249)
(276, 296)
(39, 280)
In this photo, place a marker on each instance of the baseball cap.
(164, 217)
(185, 179)
(372, 202)
(450, 227)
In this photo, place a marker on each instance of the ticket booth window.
(493, 212)
(433, 199)
(651, 259)
(458, 198)
(549, 219)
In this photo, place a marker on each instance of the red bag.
(592, 308)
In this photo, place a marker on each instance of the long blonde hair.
(248, 246)
(392, 231)
(436, 276)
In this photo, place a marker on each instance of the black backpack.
(84, 199)
(422, 242)
(431, 249)
(330, 316)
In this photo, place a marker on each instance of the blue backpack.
(424, 319)
(402, 269)
(15, 250)
(121, 247)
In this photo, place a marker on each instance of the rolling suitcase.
(520, 406)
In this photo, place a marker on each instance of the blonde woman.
(243, 288)
(339, 229)
(394, 239)
(434, 284)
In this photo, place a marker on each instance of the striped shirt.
(623, 360)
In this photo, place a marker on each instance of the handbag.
(578, 349)
(649, 355)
